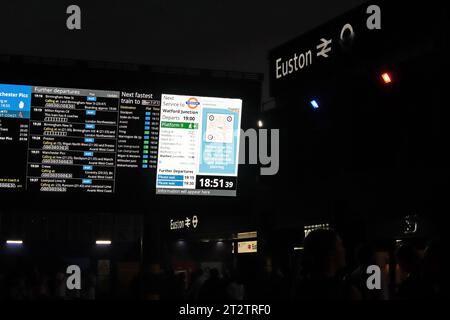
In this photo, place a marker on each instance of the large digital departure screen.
(198, 145)
(59, 139)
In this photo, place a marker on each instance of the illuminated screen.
(198, 145)
(57, 139)
(248, 247)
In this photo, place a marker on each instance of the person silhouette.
(323, 259)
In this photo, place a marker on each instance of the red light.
(386, 78)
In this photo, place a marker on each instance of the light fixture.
(387, 78)
(260, 124)
(103, 242)
(314, 104)
(220, 244)
(18, 242)
(181, 242)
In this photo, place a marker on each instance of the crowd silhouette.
(323, 274)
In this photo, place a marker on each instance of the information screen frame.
(84, 75)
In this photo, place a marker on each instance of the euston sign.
(186, 223)
(374, 35)
(319, 48)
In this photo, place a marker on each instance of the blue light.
(315, 104)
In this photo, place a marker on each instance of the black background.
(222, 34)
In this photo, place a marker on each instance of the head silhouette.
(324, 253)
(408, 258)
(214, 274)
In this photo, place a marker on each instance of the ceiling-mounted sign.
(411, 224)
(248, 247)
(321, 47)
(373, 35)
(311, 228)
(189, 222)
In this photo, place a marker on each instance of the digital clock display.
(216, 183)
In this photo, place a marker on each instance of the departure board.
(58, 139)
